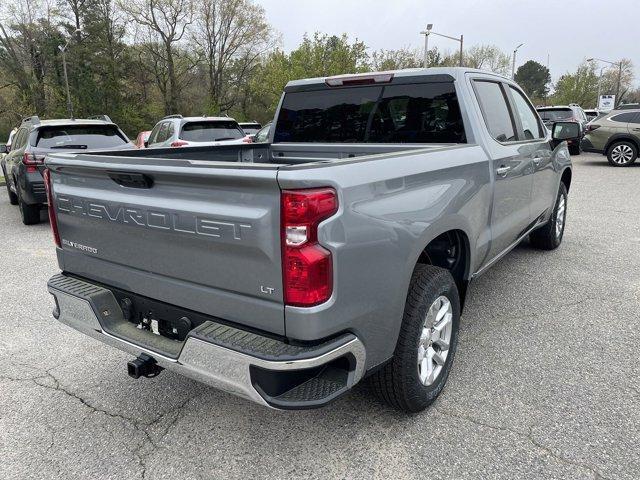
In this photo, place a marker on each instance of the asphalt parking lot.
(546, 382)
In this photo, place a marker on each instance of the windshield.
(555, 115)
(412, 113)
(80, 136)
(211, 131)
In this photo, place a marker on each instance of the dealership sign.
(606, 103)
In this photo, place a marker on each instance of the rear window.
(80, 136)
(556, 114)
(415, 113)
(210, 131)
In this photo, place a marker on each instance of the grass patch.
(1, 179)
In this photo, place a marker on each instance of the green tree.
(318, 56)
(534, 78)
(396, 59)
(580, 87)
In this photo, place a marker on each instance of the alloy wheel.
(622, 154)
(435, 338)
(561, 212)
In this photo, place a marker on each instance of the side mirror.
(3, 148)
(565, 130)
(146, 144)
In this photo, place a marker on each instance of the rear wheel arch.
(621, 137)
(451, 250)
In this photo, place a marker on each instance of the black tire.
(575, 150)
(616, 150)
(13, 198)
(30, 214)
(548, 237)
(398, 382)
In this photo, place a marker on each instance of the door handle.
(503, 170)
(132, 180)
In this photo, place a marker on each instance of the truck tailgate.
(199, 235)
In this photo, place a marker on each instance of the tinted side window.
(528, 117)
(495, 110)
(162, 134)
(630, 117)
(20, 139)
(171, 130)
(153, 136)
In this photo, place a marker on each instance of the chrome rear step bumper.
(262, 369)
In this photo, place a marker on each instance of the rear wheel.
(549, 236)
(622, 154)
(30, 214)
(13, 198)
(426, 345)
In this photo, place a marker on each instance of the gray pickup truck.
(286, 272)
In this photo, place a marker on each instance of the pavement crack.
(528, 436)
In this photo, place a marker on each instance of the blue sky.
(569, 31)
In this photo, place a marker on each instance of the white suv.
(179, 131)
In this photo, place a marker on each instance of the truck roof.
(442, 74)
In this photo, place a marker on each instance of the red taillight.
(53, 219)
(31, 161)
(306, 265)
(179, 143)
(591, 128)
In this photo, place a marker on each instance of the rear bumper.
(32, 190)
(264, 370)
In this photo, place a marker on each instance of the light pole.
(428, 32)
(63, 49)
(615, 64)
(513, 65)
(426, 44)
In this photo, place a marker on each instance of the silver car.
(179, 131)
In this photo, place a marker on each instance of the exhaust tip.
(143, 366)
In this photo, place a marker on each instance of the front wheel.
(426, 345)
(549, 236)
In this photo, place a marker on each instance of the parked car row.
(29, 143)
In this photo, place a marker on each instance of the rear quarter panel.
(391, 207)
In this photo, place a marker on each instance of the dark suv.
(566, 113)
(34, 139)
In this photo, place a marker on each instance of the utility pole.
(426, 44)
(618, 99)
(63, 49)
(615, 64)
(428, 32)
(513, 64)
